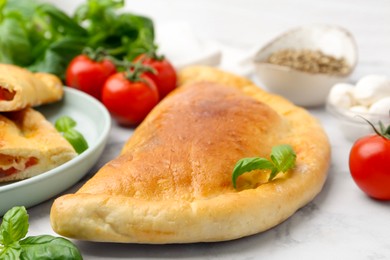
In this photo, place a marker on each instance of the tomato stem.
(152, 54)
(384, 131)
(134, 70)
(96, 55)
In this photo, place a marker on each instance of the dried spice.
(312, 61)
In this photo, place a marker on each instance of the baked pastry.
(20, 88)
(172, 182)
(30, 145)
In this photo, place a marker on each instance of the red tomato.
(88, 75)
(165, 76)
(5, 94)
(369, 165)
(129, 102)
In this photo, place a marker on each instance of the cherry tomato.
(369, 165)
(129, 101)
(87, 75)
(165, 76)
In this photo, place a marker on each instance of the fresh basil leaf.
(141, 23)
(249, 164)
(15, 47)
(62, 21)
(57, 55)
(64, 123)
(2, 4)
(77, 140)
(144, 37)
(14, 226)
(98, 15)
(283, 157)
(6, 238)
(41, 37)
(25, 8)
(50, 62)
(69, 46)
(123, 36)
(41, 46)
(48, 247)
(12, 252)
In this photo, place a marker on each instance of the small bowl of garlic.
(352, 105)
(304, 63)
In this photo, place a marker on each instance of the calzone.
(29, 145)
(172, 182)
(20, 88)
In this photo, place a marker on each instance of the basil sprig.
(12, 245)
(41, 37)
(282, 159)
(65, 125)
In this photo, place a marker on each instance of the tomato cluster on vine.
(129, 90)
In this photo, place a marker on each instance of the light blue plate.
(93, 121)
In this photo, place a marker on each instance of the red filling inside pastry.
(6, 95)
(15, 164)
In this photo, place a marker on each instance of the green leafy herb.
(65, 125)
(41, 37)
(282, 159)
(12, 245)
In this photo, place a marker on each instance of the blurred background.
(237, 28)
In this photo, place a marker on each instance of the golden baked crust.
(23, 88)
(29, 145)
(172, 181)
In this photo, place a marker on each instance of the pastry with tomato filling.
(29, 145)
(20, 88)
(172, 182)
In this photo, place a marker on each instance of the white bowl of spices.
(304, 63)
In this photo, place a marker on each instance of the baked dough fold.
(20, 88)
(172, 181)
(30, 145)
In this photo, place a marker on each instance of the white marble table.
(341, 222)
